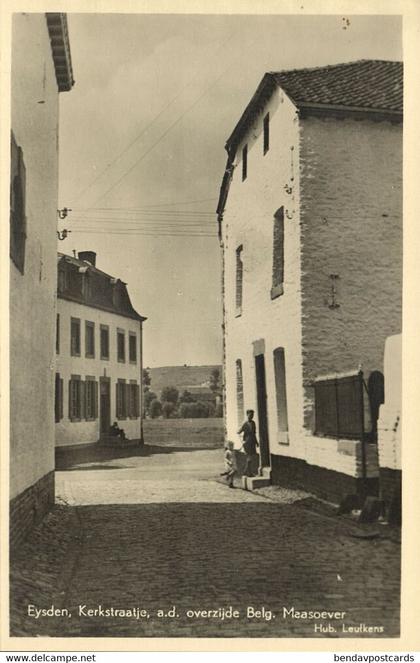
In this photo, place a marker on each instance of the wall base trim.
(29, 507)
(327, 484)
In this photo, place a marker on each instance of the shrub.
(197, 410)
(155, 409)
(169, 410)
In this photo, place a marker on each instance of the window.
(104, 342)
(91, 399)
(244, 162)
(239, 392)
(133, 400)
(58, 398)
(89, 339)
(121, 400)
(75, 337)
(120, 345)
(62, 280)
(132, 348)
(339, 407)
(76, 399)
(239, 279)
(57, 334)
(278, 254)
(266, 133)
(281, 398)
(17, 206)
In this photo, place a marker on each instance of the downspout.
(227, 177)
(141, 440)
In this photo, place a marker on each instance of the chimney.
(88, 256)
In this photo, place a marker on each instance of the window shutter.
(71, 414)
(117, 401)
(83, 391)
(61, 411)
(95, 400)
(137, 400)
(128, 407)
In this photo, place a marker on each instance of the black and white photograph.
(205, 283)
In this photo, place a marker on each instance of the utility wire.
(143, 131)
(184, 202)
(165, 133)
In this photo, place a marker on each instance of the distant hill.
(180, 377)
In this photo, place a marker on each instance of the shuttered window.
(239, 392)
(121, 399)
(133, 400)
(132, 348)
(75, 337)
(239, 279)
(278, 254)
(91, 399)
(339, 407)
(120, 345)
(89, 339)
(58, 398)
(266, 133)
(104, 342)
(76, 398)
(17, 206)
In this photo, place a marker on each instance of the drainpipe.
(141, 442)
(362, 436)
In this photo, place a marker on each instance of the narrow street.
(156, 530)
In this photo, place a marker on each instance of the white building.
(310, 226)
(98, 354)
(41, 68)
(389, 428)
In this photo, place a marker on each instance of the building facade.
(41, 69)
(309, 216)
(98, 377)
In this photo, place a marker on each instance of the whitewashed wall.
(79, 432)
(34, 121)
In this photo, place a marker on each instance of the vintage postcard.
(204, 356)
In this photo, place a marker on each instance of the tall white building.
(310, 217)
(98, 376)
(41, 69)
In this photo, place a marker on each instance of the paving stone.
(174, 536)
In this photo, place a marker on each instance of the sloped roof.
(104, 292)
(365, 86)
(369, 84)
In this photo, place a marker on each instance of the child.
(229, 464)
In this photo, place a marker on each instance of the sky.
(142, 137)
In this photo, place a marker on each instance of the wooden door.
(262, 411)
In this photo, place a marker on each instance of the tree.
(147, 380)
(215, 381)
(170, 395)
(187, 397)
(155, 409)
(149, 396)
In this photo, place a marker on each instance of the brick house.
(41, 68)
(309, 216)
(98, 376)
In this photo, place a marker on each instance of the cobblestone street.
(156, 531)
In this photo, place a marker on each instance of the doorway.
(105, 406)
(262, 411)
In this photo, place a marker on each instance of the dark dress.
(250, 437)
